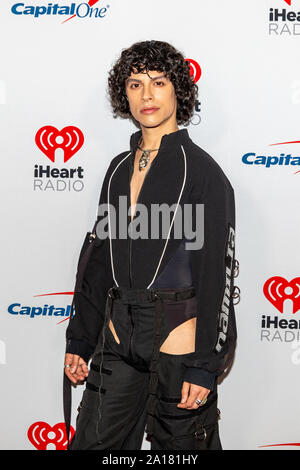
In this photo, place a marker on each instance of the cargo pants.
(132, 384)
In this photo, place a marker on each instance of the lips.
(149, 110)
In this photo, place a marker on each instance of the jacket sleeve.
(90, 298)
(212, 268)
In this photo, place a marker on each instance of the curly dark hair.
(153, 55)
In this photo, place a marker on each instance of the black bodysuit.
(181, 173)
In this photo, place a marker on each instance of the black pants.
(131, 383)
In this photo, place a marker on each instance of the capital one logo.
(16, 309)
(43, 436)
(277, 290)
(195, 69)
(81, 10)
(49, 139)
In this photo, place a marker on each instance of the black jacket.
(181, 173)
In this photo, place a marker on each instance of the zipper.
(130, 239)
(129, 261)
(131, 334)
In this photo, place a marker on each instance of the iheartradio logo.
(45, 437)
(49, 139)
(277, 290)
(195, 69)
(47, 178)
(283, 21)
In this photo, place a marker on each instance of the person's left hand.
(190, 393)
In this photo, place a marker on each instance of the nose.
(147, 93)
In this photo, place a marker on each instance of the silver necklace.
(144, 159)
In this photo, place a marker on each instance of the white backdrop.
(54, 73)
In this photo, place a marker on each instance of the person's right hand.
(78, 370)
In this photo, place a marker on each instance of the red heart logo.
(41, 434)
(276, 291)
(48, 139)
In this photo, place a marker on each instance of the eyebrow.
(137, 80)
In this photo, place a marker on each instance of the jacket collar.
(168, 141)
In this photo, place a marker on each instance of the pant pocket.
(206, 438)
(173, 427)
(180, 429)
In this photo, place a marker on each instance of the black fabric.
(94, 388)
(201, 377)
(117, 420)
(93, 279)
(67, 406)
(177, 273)
(136, 260)
(81, 348)
(193, 375)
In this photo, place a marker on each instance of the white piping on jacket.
(171, 225)
(109, 230)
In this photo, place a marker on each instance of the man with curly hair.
(155, 314)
